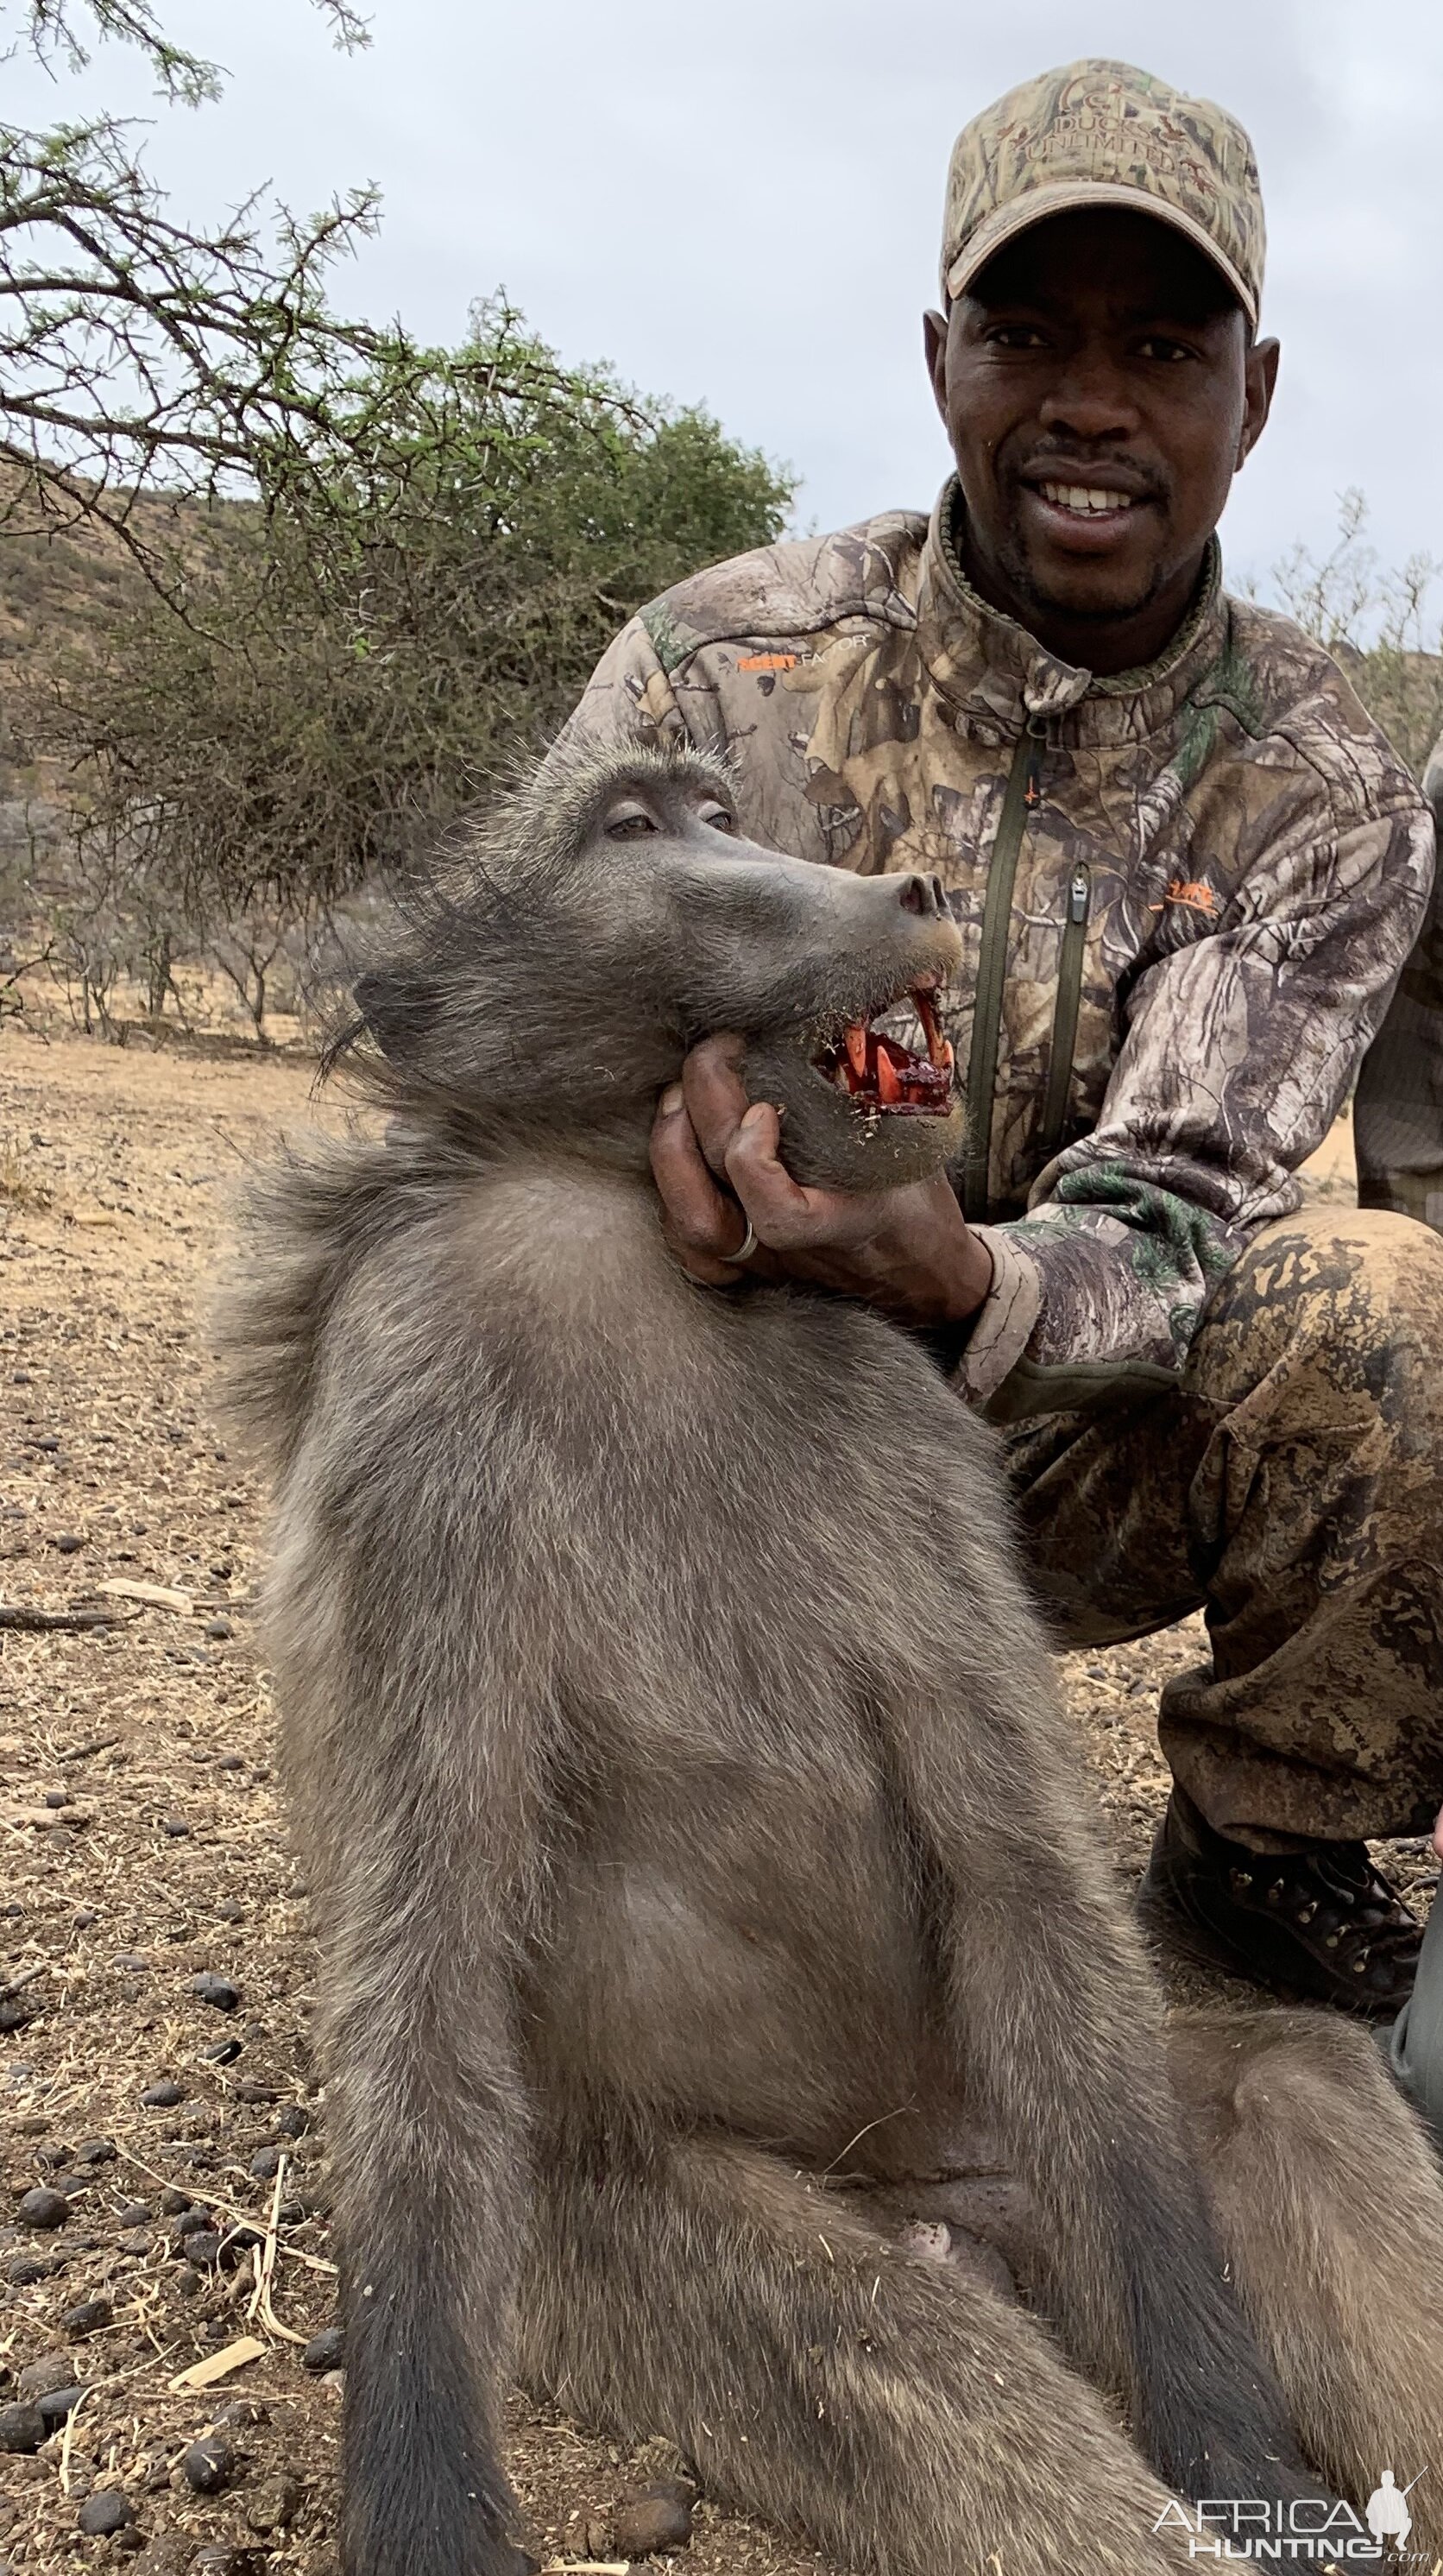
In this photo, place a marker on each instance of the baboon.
(705, 1878)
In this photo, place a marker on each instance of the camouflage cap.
(1104, 134)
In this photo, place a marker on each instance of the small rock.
(164, 2095)
(265, 2164)
(325, 2351)
(176, 1827)
(68, 1544)
(222, 2558)
(24, 2270)
(242, 2414)
(57, 1797)
(135, 2213)
(209, 2465)
(43, 2209)
(86, 2319)
(218, 1628)
(202, 2248)
(644, 2524)
(57, 2403)
(293, 2120)
(187, 2283)
(96, 2151)
(83, 1920)
(18, 2011)
(135, 2241)
(224, 2053)
(172, 2201)
(107, 2512)
(216, 1991)
(22, 2428)
(192, 2218)
(274, 2504)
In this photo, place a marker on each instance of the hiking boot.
(1319, 1923)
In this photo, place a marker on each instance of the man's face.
(1100, 391)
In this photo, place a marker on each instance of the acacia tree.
(136, 351)
(1383, 625)
(371, 567)
(424, 594)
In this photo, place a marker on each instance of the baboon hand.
(717, 1162)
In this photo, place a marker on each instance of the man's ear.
(1262, 377)
(934, 341)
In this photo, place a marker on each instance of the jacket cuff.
(1004, 1319)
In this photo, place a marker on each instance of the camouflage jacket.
(1186, 894)
(1398, 1115)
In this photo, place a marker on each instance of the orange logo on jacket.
(1194, 893)
(768, 662)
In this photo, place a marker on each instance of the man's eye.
(1170, 351)
(629, 827)
(1017, 335)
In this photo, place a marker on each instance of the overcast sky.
(738, 204)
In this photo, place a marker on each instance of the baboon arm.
(1057, 2025)
(422, 1801)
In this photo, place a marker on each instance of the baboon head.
(609, 915)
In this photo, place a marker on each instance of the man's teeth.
(1089, 498)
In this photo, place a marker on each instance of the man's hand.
(717, 1165)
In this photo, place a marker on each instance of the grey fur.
(695, 1837)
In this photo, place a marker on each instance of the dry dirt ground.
(142, 1847)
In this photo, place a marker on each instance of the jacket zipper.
(1021, 795)
(1069, 997)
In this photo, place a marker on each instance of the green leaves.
(434, 554)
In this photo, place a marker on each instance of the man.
(1188, 870)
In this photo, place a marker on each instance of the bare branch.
(52, 31)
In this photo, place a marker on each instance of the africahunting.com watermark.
(1313, 2528)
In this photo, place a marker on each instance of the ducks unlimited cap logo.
(1102, 133)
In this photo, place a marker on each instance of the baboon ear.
(396, 1013)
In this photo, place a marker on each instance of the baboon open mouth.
(878, 1072)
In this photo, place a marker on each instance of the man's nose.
(1090, 398)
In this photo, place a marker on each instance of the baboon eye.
(718, 819)
(629, 823)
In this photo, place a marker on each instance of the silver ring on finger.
(748, 1245)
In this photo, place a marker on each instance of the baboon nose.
(923, 894)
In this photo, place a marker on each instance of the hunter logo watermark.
(1318, 2529)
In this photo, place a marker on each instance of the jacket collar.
(991, 669)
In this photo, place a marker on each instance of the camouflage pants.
(1292, 1488)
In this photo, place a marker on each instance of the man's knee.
(1351, 1298)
